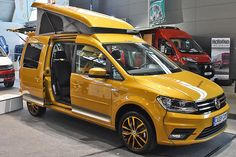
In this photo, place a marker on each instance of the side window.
(88, 57)
(148, 38)
(50, 23)
(32, 55)
(165, 47)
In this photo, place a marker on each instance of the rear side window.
(32, 55)
(50, 23)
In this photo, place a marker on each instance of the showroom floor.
(59, 135)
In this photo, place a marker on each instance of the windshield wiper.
(144, 72)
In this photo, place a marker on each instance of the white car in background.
(7, 71)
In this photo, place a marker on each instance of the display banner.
(220, 54)
(156, 12)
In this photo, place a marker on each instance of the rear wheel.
(8, 84)
(137, 133)
(35, 110)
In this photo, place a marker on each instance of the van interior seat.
(62, 71)
(138, 59)
(116, 54)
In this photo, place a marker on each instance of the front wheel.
(35, 110)
(8, 84)
(137, 133)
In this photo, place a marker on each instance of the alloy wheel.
(134, 132)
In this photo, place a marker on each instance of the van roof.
(168, 32)
(87, 17)
(118, 38)
(174, 33)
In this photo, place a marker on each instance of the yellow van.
(91, 66)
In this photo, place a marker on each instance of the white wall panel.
(7, 9)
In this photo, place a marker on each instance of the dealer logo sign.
(217, 103)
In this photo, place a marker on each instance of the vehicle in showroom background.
(100, 75)
(7, 71)
(181, 48)
(3, 44)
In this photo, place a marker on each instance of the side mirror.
(169, 51)
(98, 73)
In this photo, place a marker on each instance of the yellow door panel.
(92, 94)
(32, 66)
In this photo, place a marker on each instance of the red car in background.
(222, 60)
(225, 59)
(180, 47)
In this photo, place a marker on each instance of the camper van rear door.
(32, 69)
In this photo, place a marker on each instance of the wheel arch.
(132, 107)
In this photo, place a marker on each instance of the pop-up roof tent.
(53, 18)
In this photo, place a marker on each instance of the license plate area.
(207, 73)
(220, 119)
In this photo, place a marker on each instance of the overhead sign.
(156, 12)
(220, 42)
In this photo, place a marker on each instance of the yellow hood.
(182, 85)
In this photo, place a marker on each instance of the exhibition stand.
(10, 100)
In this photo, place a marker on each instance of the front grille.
(211, 130)
(209, 105)
(6, 67)
(7, 75)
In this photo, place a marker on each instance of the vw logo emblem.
(217, 103)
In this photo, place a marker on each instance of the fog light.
(177, 137)
(180, 134)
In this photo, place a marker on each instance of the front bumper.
(203, 69)
(7, 75)
(199, 123)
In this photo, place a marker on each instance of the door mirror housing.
(169, 51)
(98, 73)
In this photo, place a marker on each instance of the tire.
(8, 84)
(137, 140)
(35, 110)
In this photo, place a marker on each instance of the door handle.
(76, 87)
(76, 84)
(114, 90)
(36, 79)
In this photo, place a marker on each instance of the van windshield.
(141, 59)
(185, 45)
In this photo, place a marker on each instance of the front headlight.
(177, 105)
(186, 59)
